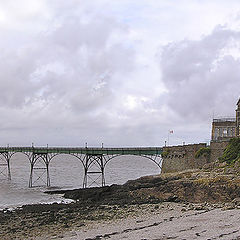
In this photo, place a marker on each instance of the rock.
(236, 201)
(200, 207)
(228, 206)
(237, 165)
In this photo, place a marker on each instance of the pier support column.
(8, 166)
(39, 164)
(6, 156)
(94, 170)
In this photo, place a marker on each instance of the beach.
(146, 221)
(193, 204)
(167, 223)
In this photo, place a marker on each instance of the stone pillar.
(238, 118)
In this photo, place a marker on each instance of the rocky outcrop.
(216, 182)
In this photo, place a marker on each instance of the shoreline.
(165, 204)
(72, 221)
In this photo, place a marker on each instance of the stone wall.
(217, 149)
(180, 158)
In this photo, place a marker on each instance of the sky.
(118, 72)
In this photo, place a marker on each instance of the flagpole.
(168, 138)
(169, 132)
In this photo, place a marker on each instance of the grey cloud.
(70, 72)
(199, 77)
(86, 64)
(62, 78)
(15, 69)
(89, 63)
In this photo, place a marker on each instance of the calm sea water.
(66, 172)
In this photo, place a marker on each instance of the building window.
(225, 132)
(216, 133)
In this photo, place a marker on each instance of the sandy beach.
(186, 205)
(165, 221)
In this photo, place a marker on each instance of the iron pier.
(94, 160)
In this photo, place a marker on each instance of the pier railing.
(94, 160)
(68, 150)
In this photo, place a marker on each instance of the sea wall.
(180, 158)
(217, 149)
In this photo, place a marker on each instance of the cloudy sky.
(121, 72)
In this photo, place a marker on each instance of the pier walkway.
(94, 160)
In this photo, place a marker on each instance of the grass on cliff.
(204, 151)
(232, 152)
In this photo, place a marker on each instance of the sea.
(66, 172)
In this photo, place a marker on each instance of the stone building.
(226, 128)
(223, 129)
(181, 158)
(238, 118)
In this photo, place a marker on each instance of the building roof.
(238, 103)
(224, 119)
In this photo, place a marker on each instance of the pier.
(94, 160)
